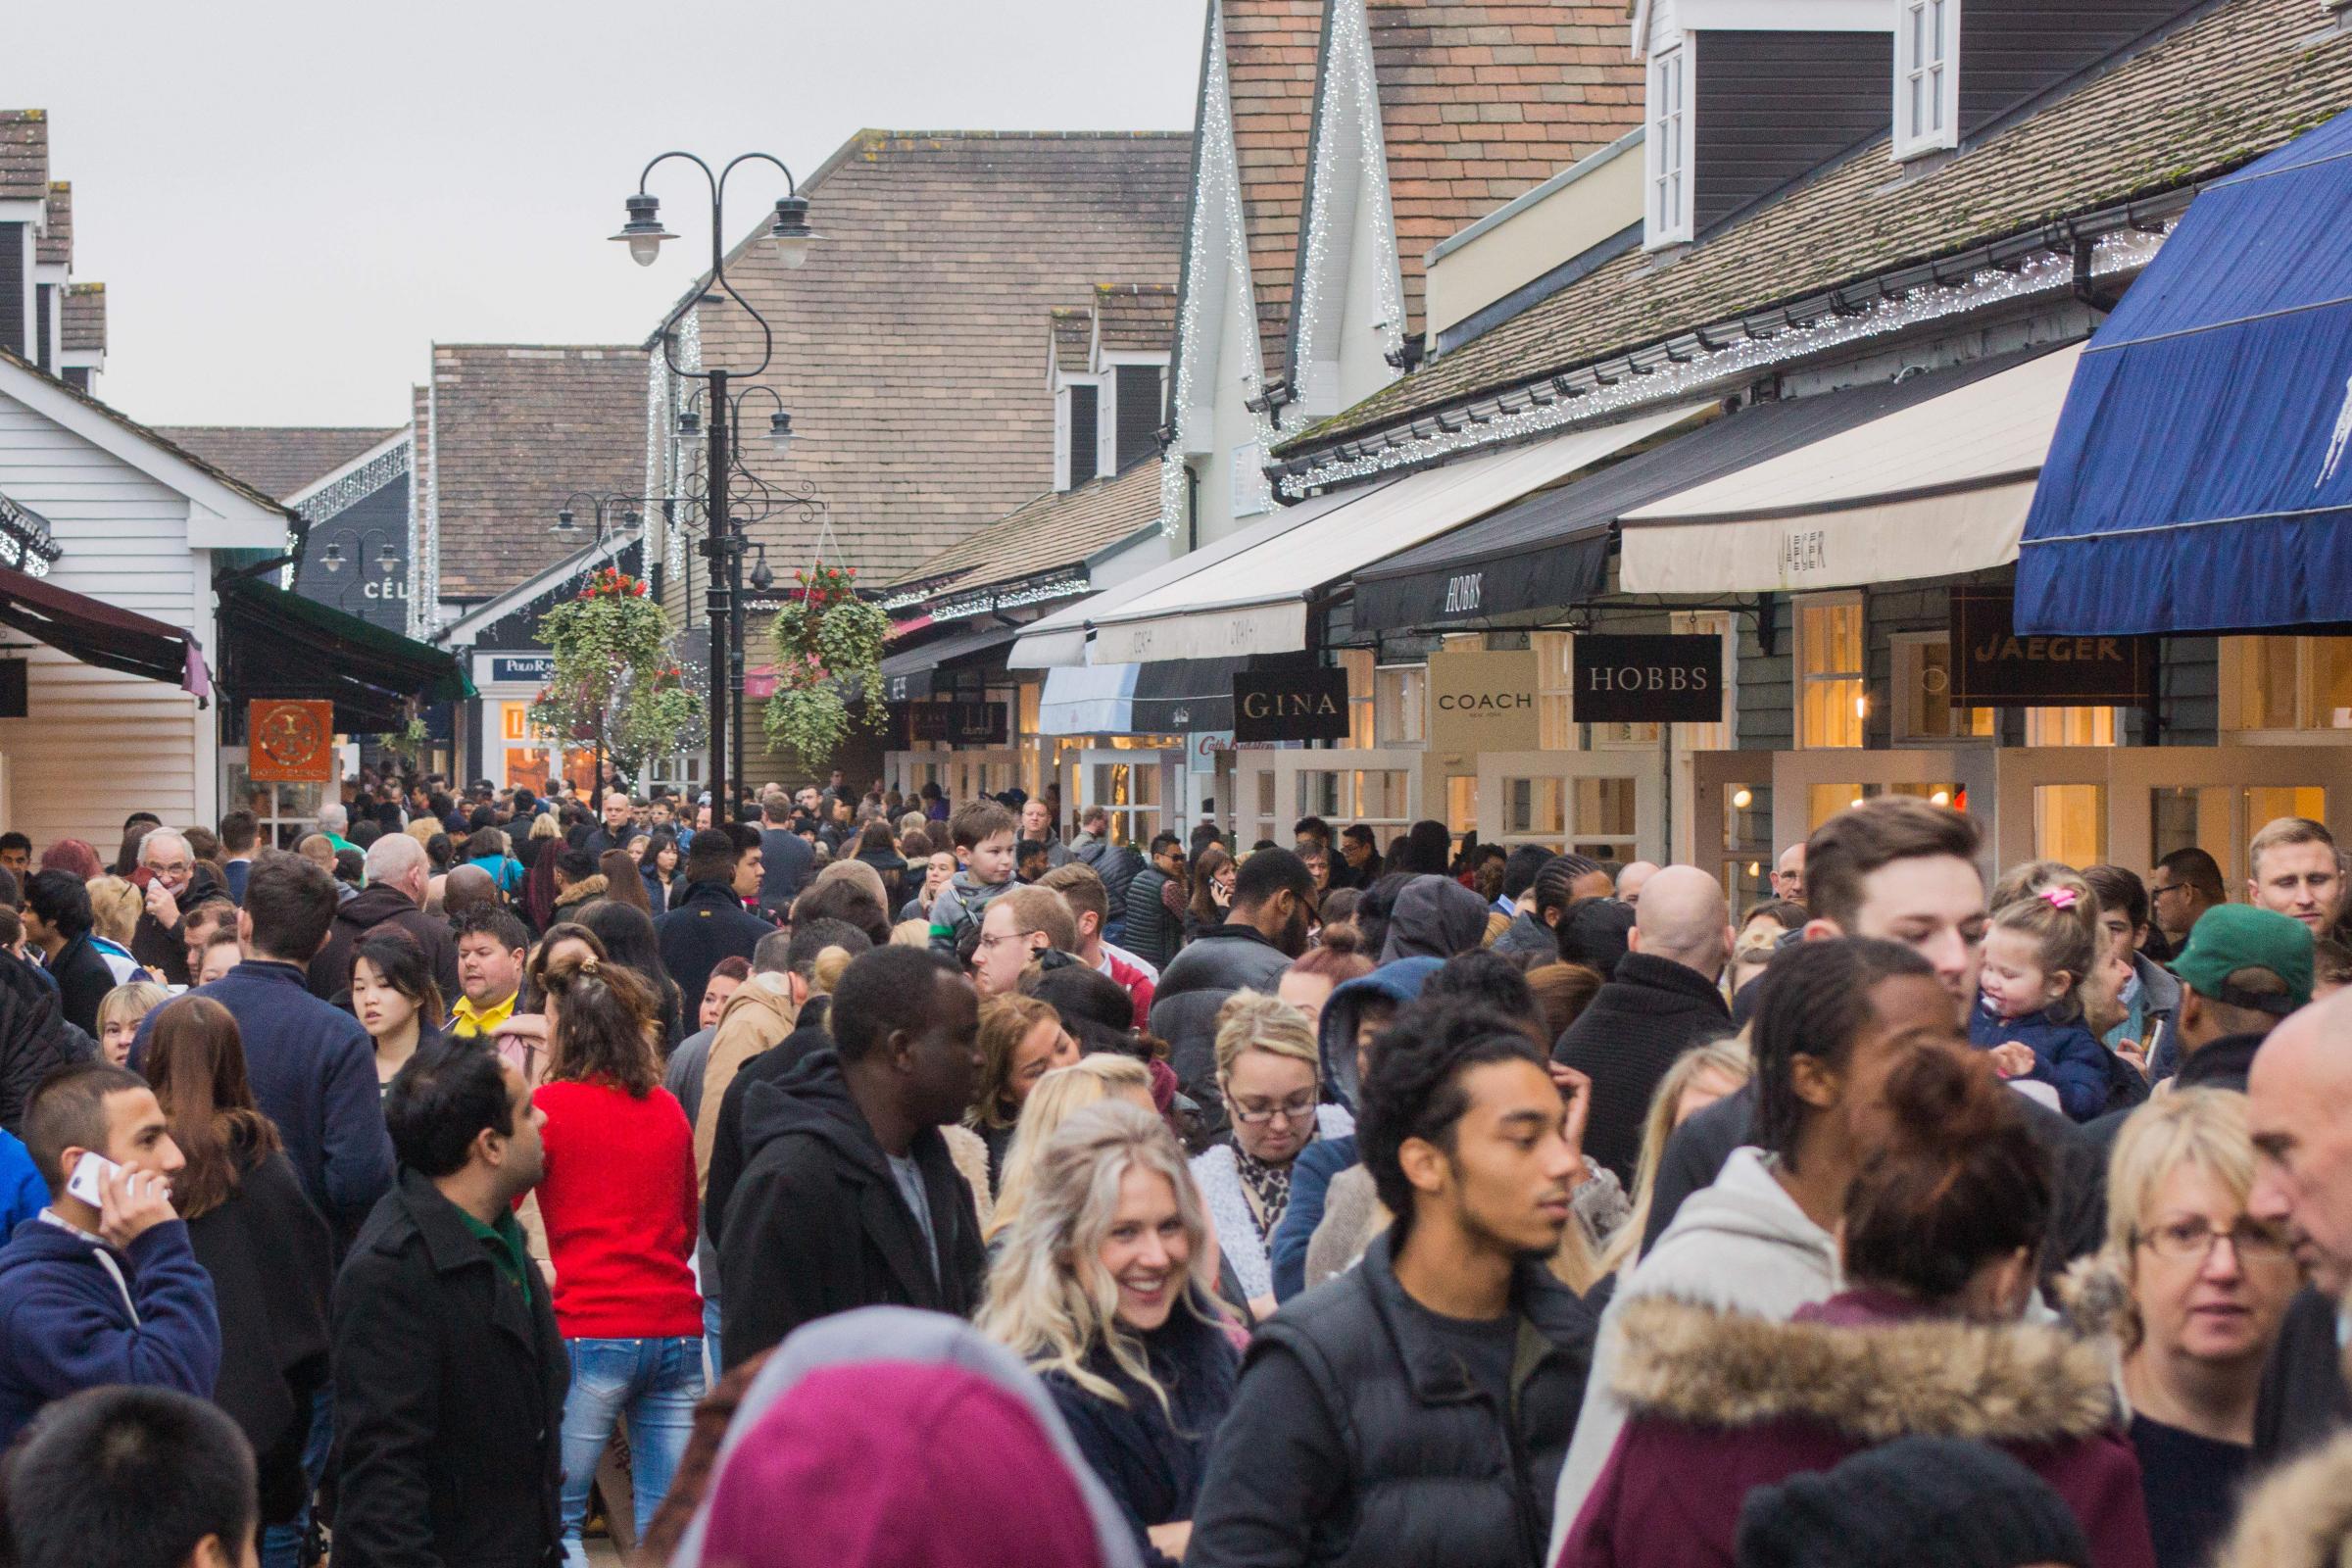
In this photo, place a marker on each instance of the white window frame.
(1905, 728)
(2306, 730)
(1061, 426)
(1935, 22)
(1107, 401)
(1667, 144)
(1800, 679)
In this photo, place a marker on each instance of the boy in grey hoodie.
(982, 832)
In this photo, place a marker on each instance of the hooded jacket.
(1627, 1039)
(1319, 1161)
(817, 1225)
(1527, 934)
(381, 903)
(1434, 918)
(575, 894)
(896, 1506)
(1740, 1245)
(1151, 930)
(76, 1313)
(959, 907)
(1746, 1402)
(756, 1019)
(83, 978)
(1226, 959)
(1115, 864)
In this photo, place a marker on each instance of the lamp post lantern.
(790, 238)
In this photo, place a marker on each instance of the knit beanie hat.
(1915, 1502)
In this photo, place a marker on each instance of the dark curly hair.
(1414, 1089)
(1815, 1000)
(1485, 978)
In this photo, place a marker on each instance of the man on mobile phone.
(101, 1285)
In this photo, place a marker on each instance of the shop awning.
(911, 674)
(276, 644)
(1256, 600)
(2199, 481)
(1933, 488)
(100, 634)
(1061, 638)
(1167, 697)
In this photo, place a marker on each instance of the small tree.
(617, 686)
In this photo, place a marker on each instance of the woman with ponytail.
(1942, 1224)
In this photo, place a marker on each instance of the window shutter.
(1138, 413)
(43, 304)
(13, 336)
(1085, 433)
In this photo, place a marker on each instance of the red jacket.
(1723, 1403)
(619, 1204)
(1137, 986)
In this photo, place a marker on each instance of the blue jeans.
(656, 1383)
(711, 1364)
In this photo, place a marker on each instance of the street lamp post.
(790, 234)
(387, 560)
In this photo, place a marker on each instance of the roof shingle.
(915, 427)
(24, 155)
(514, 429)
(279, 461)
(1135, 318)
(1270, 52)
(1056, 529)
(55, 247)
(84, 318)
(2222, 90)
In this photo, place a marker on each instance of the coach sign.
(1994, 668)
(1294, 704)
(1647, 681)
(1483, 701)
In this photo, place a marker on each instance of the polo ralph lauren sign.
(1994, 668)
(1290, 705)
(1647, 681)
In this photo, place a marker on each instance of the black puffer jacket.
(33, 1039)
(1115, 864)
(1153, 932)
(1192, 988)
(1356, 1439)
(1627, 1039)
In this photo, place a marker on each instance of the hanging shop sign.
(512, 670)
(1483, 701)
(16, 701)
(1992, 666)
(1290, 704)
(959, 724)
(1646, 679)
(290, 743)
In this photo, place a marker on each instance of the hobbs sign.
(1483, 701)
(1290, 705)
(1647, 681)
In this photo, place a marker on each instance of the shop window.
(2070, 824)
(1924, 712)
(1555, 711)
(1361, 685)
(529, 759)
(1831, 698)
(1400, 715)
(2070, 726)
(1461, 802)
(2286, 683)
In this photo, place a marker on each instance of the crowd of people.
(867, 1180)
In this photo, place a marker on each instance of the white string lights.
(1350, 85)
(1541, 410)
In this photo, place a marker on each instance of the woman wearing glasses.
(2202, 1289)
(1269, 1076)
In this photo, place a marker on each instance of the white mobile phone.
(88, 1179)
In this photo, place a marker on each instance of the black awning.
(1551, 551)
(275, 643)
(100, 634)
(910, 674)
(1175, 695)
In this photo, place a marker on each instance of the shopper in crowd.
(493, 947)
(394, 896)
(488, 851)
(311, 1065)
(131, 1477)
(1415, 1411)
(1909, 1503)
(2301, 1081)
(1266, 928)
(1562, 992)
(175, 884)
(2194, 1289)
(982, 833)
(627, 933)
(1835, 1019)
(396, 1001)
(1433, 917)
(788, 861)
(1762, 930)
(810, 1228)
(2150, 998)
(270, 1255)
(622, 884)
(1112, 1221)
(120, 1015)
(1789, 874)
(878, 846)
(939, 869)
(2186, 883)
(57, 922)
(1269, 1079)
(449, 1370)
(2037, 953)
(1061, 1094)
(1021, 1039)
(1664, 999)
(1699, 1077)
(1308, 983)
(1940, 1226)
(708, 922)
(617, 1200)
(659, 869)
(1082, 888)
(682, 1073)
(1213, 881)
(1153, 928)
(1019, 928)
(2292, 868)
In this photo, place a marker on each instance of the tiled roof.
(149, 434)
(1483, 99)
(1135, 318)
(1055, 530)
(277, 460)
(55, 247)
(1073, 334)
(913, 423)
(2218, 92)
(1270, 53)
(515, 430)
(85, 317)
(24, 155)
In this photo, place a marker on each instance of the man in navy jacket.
(107, 1292)
(312, 1066)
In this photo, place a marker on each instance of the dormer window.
(1926, 87)
(1666, 152)
(1077, 432)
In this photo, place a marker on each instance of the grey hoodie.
(1740, 1245)
(903, 1333)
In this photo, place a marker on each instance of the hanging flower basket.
(828, 641)
(616, 683)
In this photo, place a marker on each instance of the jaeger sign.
(1290, 705)
(1994, 668)
(1647, 681)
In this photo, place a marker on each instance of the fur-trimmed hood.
(2300, 1517)
(1871, 1380)
(580, 891)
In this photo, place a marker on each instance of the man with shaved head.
(1632, 879)
(1662, 1001)
(466, 887)
(2299, 1108)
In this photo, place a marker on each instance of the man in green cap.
(2241, 971)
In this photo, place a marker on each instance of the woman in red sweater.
(618, 1202)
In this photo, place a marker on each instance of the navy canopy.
(2201, 477)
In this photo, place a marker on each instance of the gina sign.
(1296, 704)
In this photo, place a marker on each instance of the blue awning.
(2201, 477)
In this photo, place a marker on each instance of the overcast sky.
(289, 203)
